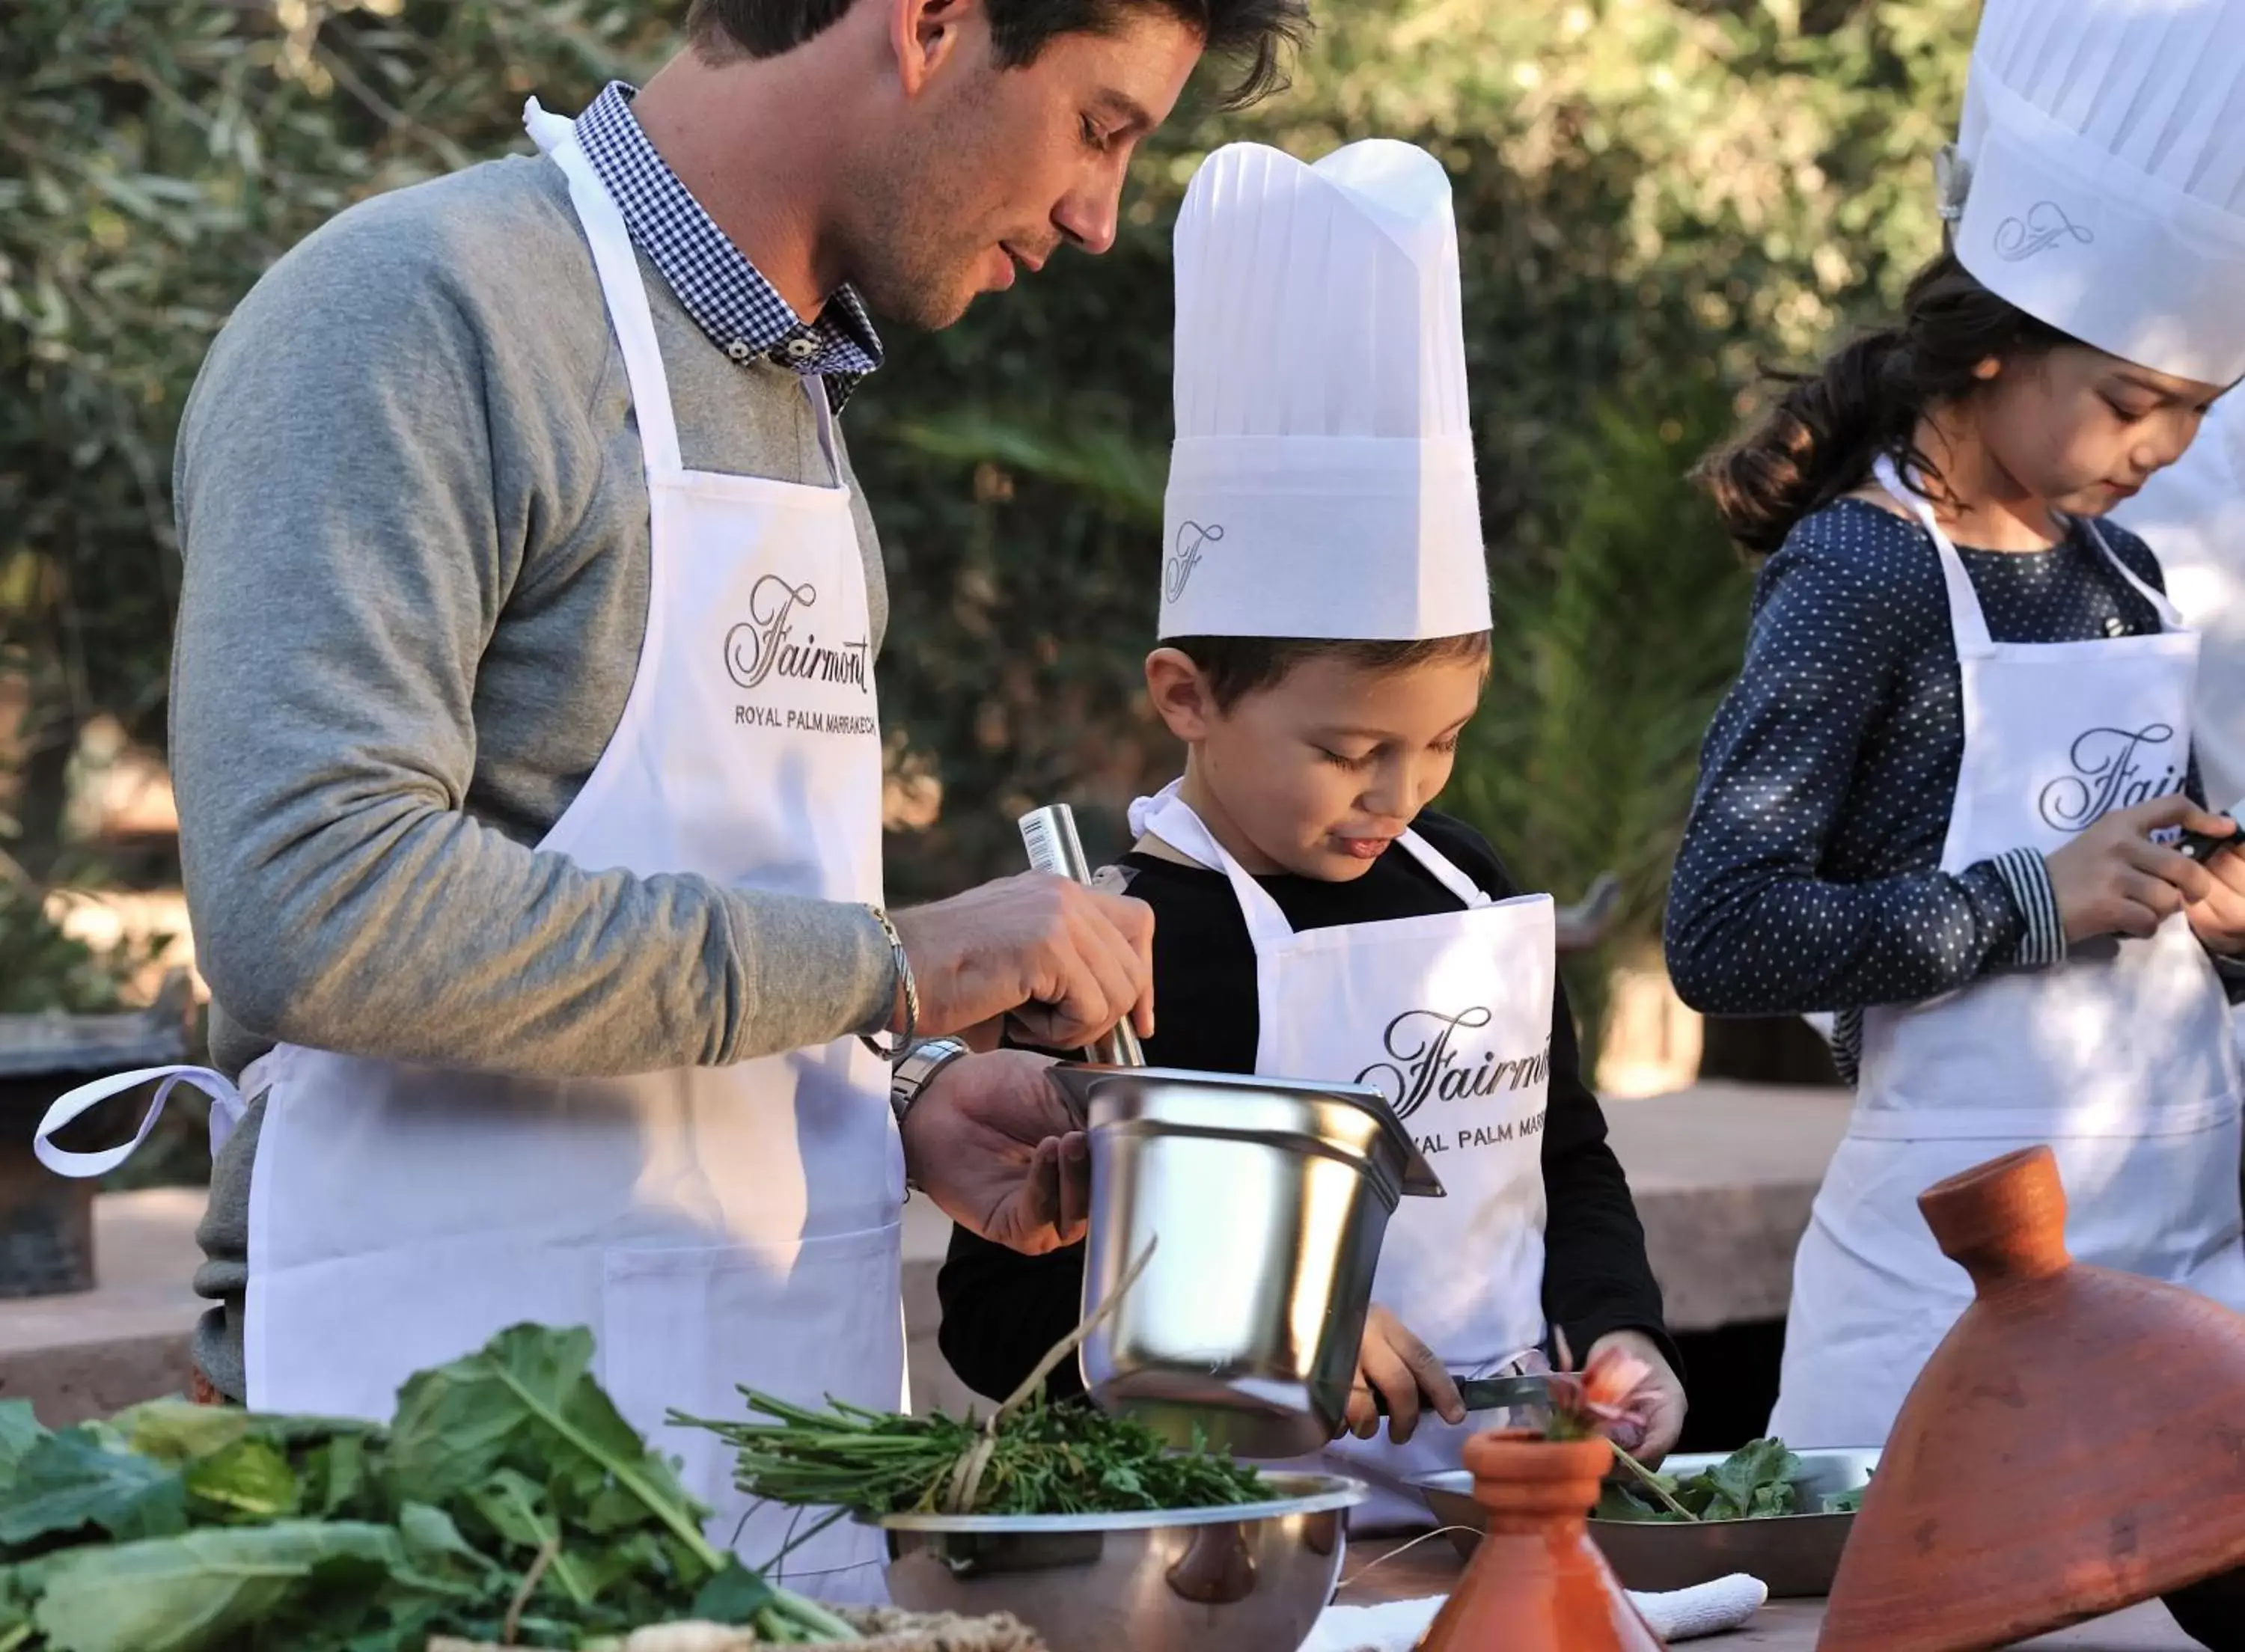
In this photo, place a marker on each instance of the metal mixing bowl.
(1252, 1577)
(1796, 1554)
(1269, 1199)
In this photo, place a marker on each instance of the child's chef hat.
(2104, 152)
(1322, 483)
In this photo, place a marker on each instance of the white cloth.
(2193, 516)
(1448, 1016)
(1322, 482)
(1712, 1608)
(712, 1227)
(2120, 1058)
(2105, 143)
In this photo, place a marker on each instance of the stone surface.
(87, 1354)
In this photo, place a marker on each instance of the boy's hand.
(1408, 1376)
(1655, 1415)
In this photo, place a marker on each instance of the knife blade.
(1490, 1393)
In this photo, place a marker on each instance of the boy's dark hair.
(1237, 666)
(1818, 443)
(1255, 31)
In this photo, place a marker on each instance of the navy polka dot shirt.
(1809, 875)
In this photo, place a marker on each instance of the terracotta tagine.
(2076, 1444)
(1537, 1583)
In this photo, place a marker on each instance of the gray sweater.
(415, 524)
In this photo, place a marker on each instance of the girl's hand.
(1408, 1376)
(2218, 919)
(2113, 880)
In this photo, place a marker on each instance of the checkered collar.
(741, 311)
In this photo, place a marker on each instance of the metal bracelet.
(911, 1034)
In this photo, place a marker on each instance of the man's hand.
(1408, 1376)
(1656, 1418)
(993, 1144)
(2113, 880)
(1066, 962)
(2218, 918)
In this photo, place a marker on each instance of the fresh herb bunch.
(1038, 1459)
(508, 1502)
(1754, 1482)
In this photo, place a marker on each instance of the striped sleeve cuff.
(2042, 943)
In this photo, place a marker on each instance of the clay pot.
(2073, 1446)
(1537, 1583)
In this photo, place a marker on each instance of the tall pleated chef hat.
(2103, 175)
(1322, 482)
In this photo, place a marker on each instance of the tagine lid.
(2073, 1447)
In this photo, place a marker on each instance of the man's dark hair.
(1255, 33)
(1235, 667)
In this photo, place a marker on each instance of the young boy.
(1325, 635)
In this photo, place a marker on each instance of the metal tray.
(1797, 1555)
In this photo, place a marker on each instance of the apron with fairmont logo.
(1448, 1016)
(712, 1227)
(2119, 1058)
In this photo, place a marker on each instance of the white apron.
(1450, 1016)
(2119, 1058)
(712, 1227)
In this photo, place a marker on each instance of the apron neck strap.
(1967, 619)
(1176, 824)
(617, 265)
(2170, 616)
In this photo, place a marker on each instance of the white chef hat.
(1322, 482)
(2104, 143)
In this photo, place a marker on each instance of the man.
(526, 743)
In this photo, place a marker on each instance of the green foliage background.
(1653, 195)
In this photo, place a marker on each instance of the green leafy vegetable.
(1754, 1482)
(530, 1392)
(178, 1431)
(1040, 1458)
(508, 1503)
(70, 1481)
(198, 1589)
(247, 1482)
(1847, 1502)
(19, 1432)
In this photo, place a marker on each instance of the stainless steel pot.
(1269, 1199)
(1253, 1577)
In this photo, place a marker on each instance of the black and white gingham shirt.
(741, 311)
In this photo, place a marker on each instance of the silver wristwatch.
(915, 1067)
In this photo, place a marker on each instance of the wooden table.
(1781, 1626)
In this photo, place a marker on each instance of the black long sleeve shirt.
(1002, 1310)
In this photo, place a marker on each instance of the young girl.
(1325, 619)
(1934, 800)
